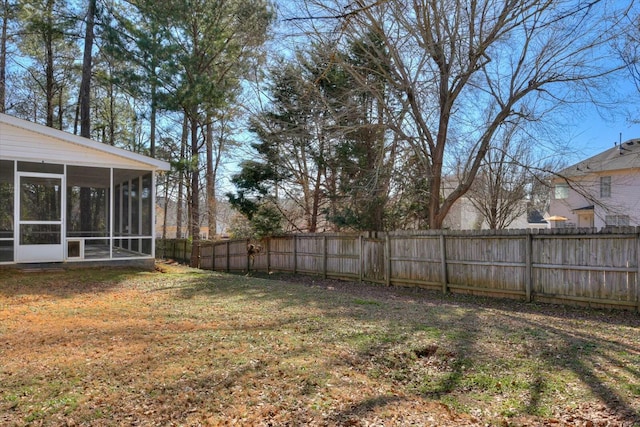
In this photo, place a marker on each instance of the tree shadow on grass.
(581, 353)
(63, 284)
(577, 350)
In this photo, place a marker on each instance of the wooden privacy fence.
(578, 266)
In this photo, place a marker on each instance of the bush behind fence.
(601, 269)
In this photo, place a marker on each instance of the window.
(605, 186)
(562, 191)
(617, 220)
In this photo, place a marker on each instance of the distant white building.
(465, 216)
(601, 191)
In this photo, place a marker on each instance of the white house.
(64, 198)
(601, 191)
(465, 216)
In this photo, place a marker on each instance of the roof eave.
(157, 165)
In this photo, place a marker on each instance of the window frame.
(617, 220)
(605, 186)
(561, 191)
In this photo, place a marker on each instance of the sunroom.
(64, 198)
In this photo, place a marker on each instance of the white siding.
(624, 200)
(21, 144)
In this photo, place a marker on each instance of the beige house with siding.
(65, 198)
(601, 191)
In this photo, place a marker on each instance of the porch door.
(39, 210)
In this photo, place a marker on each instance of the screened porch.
(53, 212)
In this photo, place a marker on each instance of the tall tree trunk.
(165, 208)
(49, 82)
(112, 113)
(154, 96)
(3, 55)
(211, 186)
(195, 188)
(183, 147)
(85, 110)
(60, 109)
(85, 84)
(152, 129)
(195, 182)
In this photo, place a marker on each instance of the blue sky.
(595, 133)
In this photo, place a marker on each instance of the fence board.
(374, 265)
(415, 259)
(281, 250)
(343, 256)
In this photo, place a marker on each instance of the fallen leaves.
(185, 347)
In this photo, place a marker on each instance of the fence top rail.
(627, 232)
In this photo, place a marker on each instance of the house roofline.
(612, 159)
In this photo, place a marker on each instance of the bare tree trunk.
(183, 147)
(195, 179)
(85, 111)
(112, 114)
(211, 186)
(60, 109)
(166, 206)
(194, 206)
(152, 125)
(49, 82)
(154, 99)
(3, 55)
(85, 84)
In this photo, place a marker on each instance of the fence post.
(361, 255)
(213, 256)
(228, 255)
(248, 256)
(443, 262)
(268, 249)
(528, 278)
(324, 256)
(387, 257)
(295, 254)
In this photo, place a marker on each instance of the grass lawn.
(187, 347)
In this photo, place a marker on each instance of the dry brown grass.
(185, 347)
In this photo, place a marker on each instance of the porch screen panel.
(133, 213)
(6, 210)
(135, 207)
(88, 211)
(117, 207)
(126, 203)
(88, 201)
(146, 193)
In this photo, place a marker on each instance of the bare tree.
(506, 186)
(462, 68)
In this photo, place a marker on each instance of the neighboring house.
(602, 191)
(64, 198)
(465, 216)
